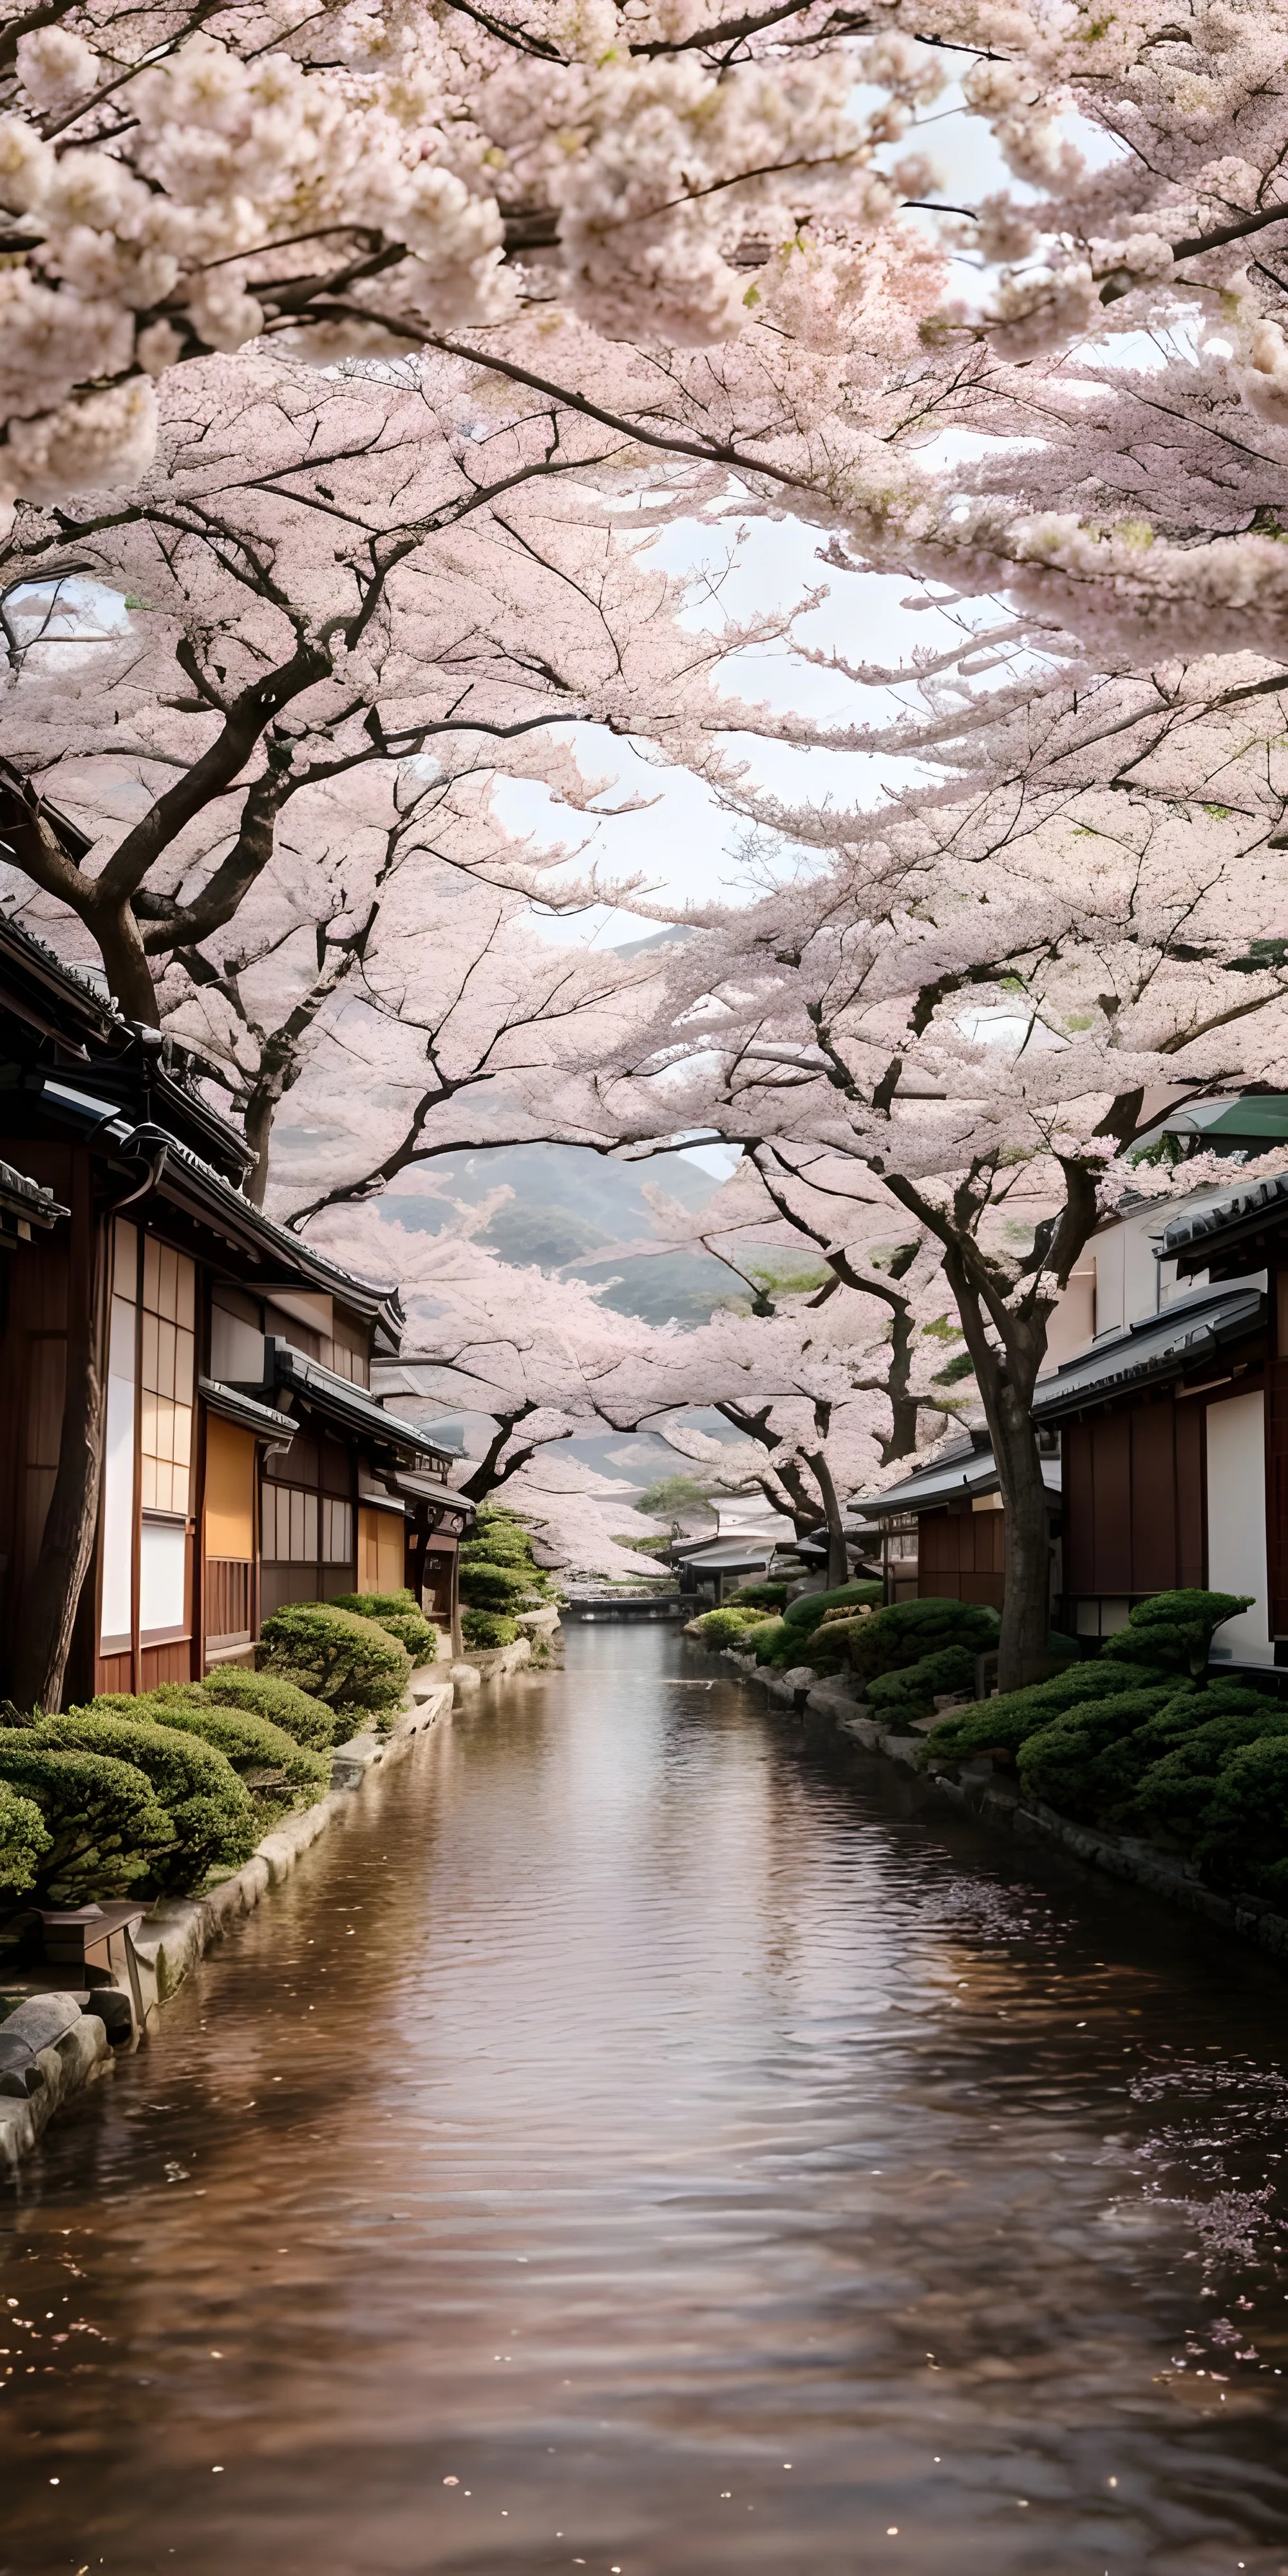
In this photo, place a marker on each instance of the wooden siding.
(228, 1600)
(171, 1662)
(382, 1543)
(961, 1556)
(1133, 1500)
(1277, 1455)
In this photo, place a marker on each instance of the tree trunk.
(838, 1563)
(1006, 1382)
(1026, 1613)
(53, 1595)
(129, 976)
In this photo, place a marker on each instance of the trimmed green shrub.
(486, 1586)
(1244, 1837)
(766, 1638)
(1004, 1724)
(499, 1539)
(356, 1667)
(833, 1645)
(484, 1628)
(726, 1626)
(1173, 1794)
(396, 1611)
(1077, 1762)
(906, 1630)
(270, 1695)
(1172, 1632)
(102, 1816)
(214, 1818)
(252, 1745)
(23, 1840)
(498, 1569)
(910, 1691)
(812, 1608)
(758, 1596)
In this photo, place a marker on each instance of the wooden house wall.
(1134, 1511)
(961, 1556)
(308, 1514)
(1277, 1454)
(33, 1360)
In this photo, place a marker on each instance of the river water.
(642, 2138)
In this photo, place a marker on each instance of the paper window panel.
(168, 1358)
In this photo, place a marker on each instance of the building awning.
(1164, 1346)
(1208, 1231)
(338, 1400)
(450, 1513)
(23, 1203)
(963, 1475)
(183, 1180)
(726, 1556)
(232, 1405)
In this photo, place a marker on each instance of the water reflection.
(640, 2140)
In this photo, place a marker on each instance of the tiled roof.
(959, 1473)
(1221, 1216)
(1160, 1346)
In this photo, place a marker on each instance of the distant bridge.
(582, 1607)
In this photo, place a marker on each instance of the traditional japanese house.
(943, 1530)
(1162, 1416)
(214, 1365)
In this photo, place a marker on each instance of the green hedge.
(276, 1769)
(486, 1628)
(769, 1641)
(270, 1695)
(810, 1609)
(1141, 1742)
(1172, 1632)
(213, 1818)
(398, 1612)
(726, 1626)
(757, 1596)
(910, 1690)
(499, 1539)
(23, 1841)
(1003, 1724)
(906, 1630)
(499, 1572)
(104, 1820)
(1242, 1839)
(1172, 1796)
(485, 1586)
(352, 1664)
(1082, 1762)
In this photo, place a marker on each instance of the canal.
(643, 2139)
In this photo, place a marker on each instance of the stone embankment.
(538, 1643)
(992, 1793)
(54, 2044)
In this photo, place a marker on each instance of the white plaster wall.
(1236, 1523)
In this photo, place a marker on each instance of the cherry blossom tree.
(582, 1522)
(320, 578)
(687, 226)
(386, 957)
(354, 181)
(832, 1363)
(976, 999)
(805, 1380)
